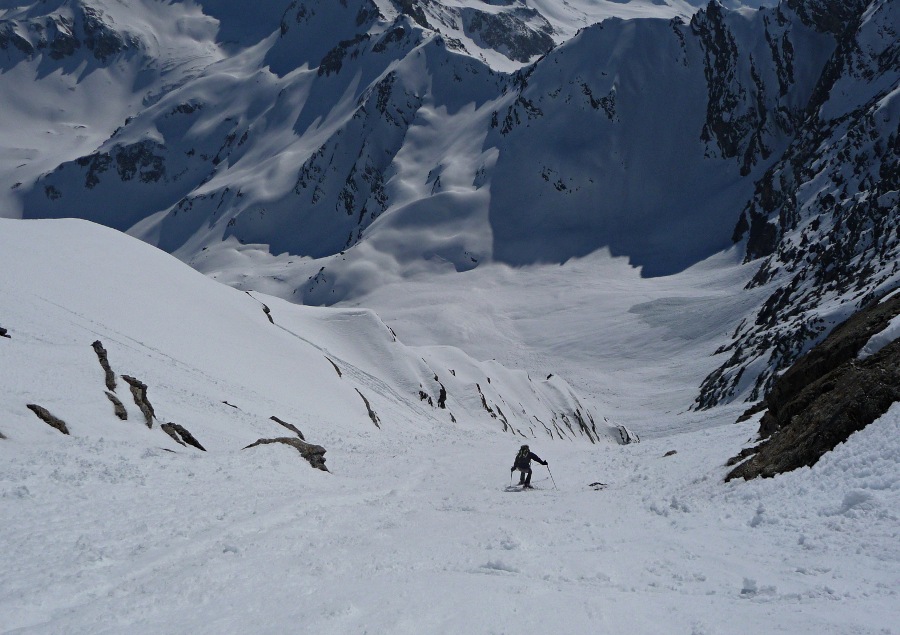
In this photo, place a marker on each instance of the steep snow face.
(639, 135)
(824, 219)
(74, 72)
(192, 342)
(396, 121)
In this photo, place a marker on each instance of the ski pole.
(551, 477)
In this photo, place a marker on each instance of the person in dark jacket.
(523, 464)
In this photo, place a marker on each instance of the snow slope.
(322, 150)
(107, 531)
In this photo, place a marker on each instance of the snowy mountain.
(126, 525)
(445, 229)
(824, 219)
(320, 151)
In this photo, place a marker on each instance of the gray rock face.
(289, 426)
(372, 415)
(139, 392)
(744, 115)
(51, 420)
(314, 454)
(181, 435)
(104, 362)
(826, 396)
(509, 33)
(118, 406)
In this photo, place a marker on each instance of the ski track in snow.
(105, 531)
(111, 538)
(108, 532)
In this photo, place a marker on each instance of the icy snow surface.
(105, 531)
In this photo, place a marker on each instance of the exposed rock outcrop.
(838, 350)
(118, 406)
(64, 31)
(289, 426)
(372, 415)
(45, 416)
(826, 396)
(104, 362)
(823, 219)
(139, 391)
(181, 435)
(509, 33)
(315, 454)
(626, 436)
(589, 431)
(336, 369)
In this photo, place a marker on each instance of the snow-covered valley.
(116, 528)
(407, 236)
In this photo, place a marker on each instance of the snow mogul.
(523, 464)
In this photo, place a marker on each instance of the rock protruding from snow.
(372, 415)
(181, 435)
(289, 426)
(826, 396)
(118, 406)
(48, 418)
(4, 333)
(104, 362)
(315, 454)
(139, 392)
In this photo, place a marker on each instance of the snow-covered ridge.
(823, 220)
(198, 345)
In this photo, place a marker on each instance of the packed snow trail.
(110, 538)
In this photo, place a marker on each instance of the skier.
(523, 464)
